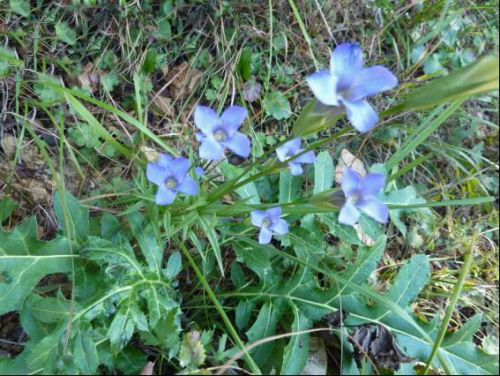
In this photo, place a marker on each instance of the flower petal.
(157, 174)
(372, 184)
(350, 181)
(206, 119)
(346, 63)
(307, 157)
(199, 171)
(280, 227)
(257, 216)
(349, 214)
(375, 209)
(188, 186)
(164, 196)
(232, 118)
(239, 144)
(291, 147)
(295, 169)
(274, 213)
(324, 86)
(362, 116)
(179, 168)
(164, 160)
(371, 81)
(265, 236)
(211, 149)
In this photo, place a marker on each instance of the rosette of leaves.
(118, 292)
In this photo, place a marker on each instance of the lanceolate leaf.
(297, 349)
(323, 172)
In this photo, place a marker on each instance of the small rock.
(348, 160)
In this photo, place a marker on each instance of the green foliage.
(277, 106)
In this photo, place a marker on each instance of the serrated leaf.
(406, 196)
(65, 33)
(147, 240)
(343, 232)
(256, 259)
(297, 350)
(248, 192)
(174, 265)
(289, 187)
(237, 275)
(7, 206)
(24, 260)
(192, 353)
(410, 280)
(276, 105)
(48, 309)
(85, 356)
(21, 7)
(324, 172)
(244, 310)
(264, 326)
(77, 226)
(122, 327)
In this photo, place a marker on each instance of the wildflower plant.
(130, 269)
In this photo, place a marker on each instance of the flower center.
(354, 197)
(171, 183)
(266, 223)
(220, 135)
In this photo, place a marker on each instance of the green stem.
(220, 309)
(451, 307)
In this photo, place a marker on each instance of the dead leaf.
(150, 153)
(348, 160)
(184, 79)
(89, 78)
(163, 106)
(317, 361)
(8, 143)
(251, 90)
(379, 344)
(148, 368)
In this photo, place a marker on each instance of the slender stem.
(451, 307)
(220, 309)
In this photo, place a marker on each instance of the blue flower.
(171, 176)
(360, 193)
(347, 84)
(290, 149)
(269, 222)
(221, 132)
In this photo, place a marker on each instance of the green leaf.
(245, 64)
(209, 230)
(256, 259)
(316, 117)
(146, 238)
(122, 327)
(297, 349)
(410, 280)
(48, 309)
(174, 265)
(244, 311)
(7, 206)
(21, 7)
(76, 224)
(406, 196)
(343, 232)
(65, 34)
(289, 187)
(478, 77)
(192, 352)
(164, 30)
(249, 191)
(149, 64)
(24, 260)
(45, 351)
(85, 355)
(264, 326)
(370, 226)
(324, 172)
(276, 105)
